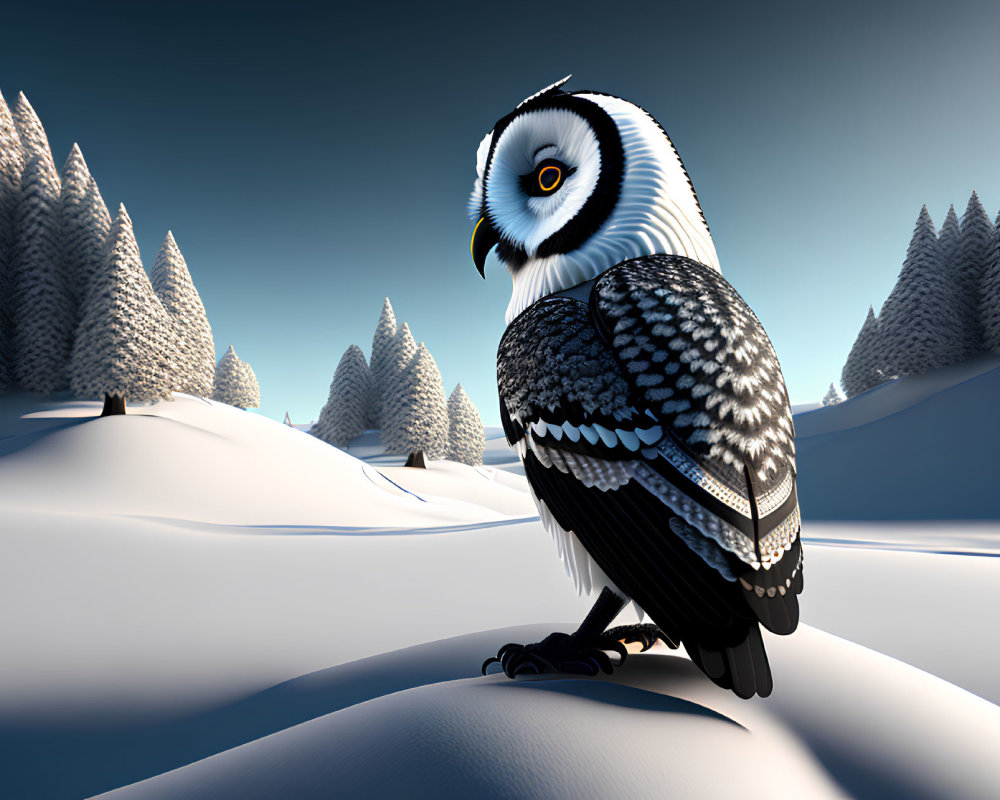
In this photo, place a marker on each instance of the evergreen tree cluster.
(77, 309)
(944, 308)
(401, 393)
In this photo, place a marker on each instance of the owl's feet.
(558, 653)
(644, 635)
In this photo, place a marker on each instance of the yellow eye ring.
(548, 187)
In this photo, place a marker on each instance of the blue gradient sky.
(311, 162)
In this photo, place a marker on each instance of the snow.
(206, 603)
(920, 447)
(201, 461)
(889, 398)
(555, 737)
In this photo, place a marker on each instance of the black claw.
(603, 661)
(619, 648)
(643, 635)
(558, 653)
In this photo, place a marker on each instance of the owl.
(640, 391)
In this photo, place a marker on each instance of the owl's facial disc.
(545, 165)
(548, 176)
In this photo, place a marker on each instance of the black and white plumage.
(639, 389)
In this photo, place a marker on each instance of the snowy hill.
(201, 602)
(920, 447)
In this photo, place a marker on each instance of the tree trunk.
(416, 460)
(113, 404)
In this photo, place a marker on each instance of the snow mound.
(196, 460)
(921, 447)
(655, 729)
(889, 398)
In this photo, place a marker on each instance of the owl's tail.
(742, 668)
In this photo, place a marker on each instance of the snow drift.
(202, 602)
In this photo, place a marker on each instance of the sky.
(312, 160)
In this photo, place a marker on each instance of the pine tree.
(34, 142)
(227, 376)
(249, 386)
(11, 169)
(402, 349)
(861, 372)
(921, 324)
(44, 313)
(466, 437)
(83, 225)
(970, 262)
(422, 427)
(125, 345)
(348, 409)
(832, 396)
(382, 348)
(235, 382)
(948, 241)
(989, 292)
(196, 348)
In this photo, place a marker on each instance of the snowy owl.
(640, 391)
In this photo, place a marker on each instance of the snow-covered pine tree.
(921, 323)
(41, 299)
(948, 241)
(11, 168)
(402, 349)
(382, 358)
(832, 396)
(44, 313)
(84, 223)
(235, 382)
(860, 372)
(249, 386)
(989, 292)
(196, 348)
(348, 408)
(422, 429)
(32, 136)
(125, 345)
(970, 262)
(227, 372)
(466, 437)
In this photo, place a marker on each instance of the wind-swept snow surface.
(200, 602)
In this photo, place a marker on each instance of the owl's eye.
(546, 178)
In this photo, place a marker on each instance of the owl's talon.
(557, 653)
(644, 635)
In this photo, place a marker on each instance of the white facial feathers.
(530, 139)
(476, 198)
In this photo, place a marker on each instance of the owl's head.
(570, 184)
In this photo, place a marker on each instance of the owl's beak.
(484, 239)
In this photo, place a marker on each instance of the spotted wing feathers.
(700, 360)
